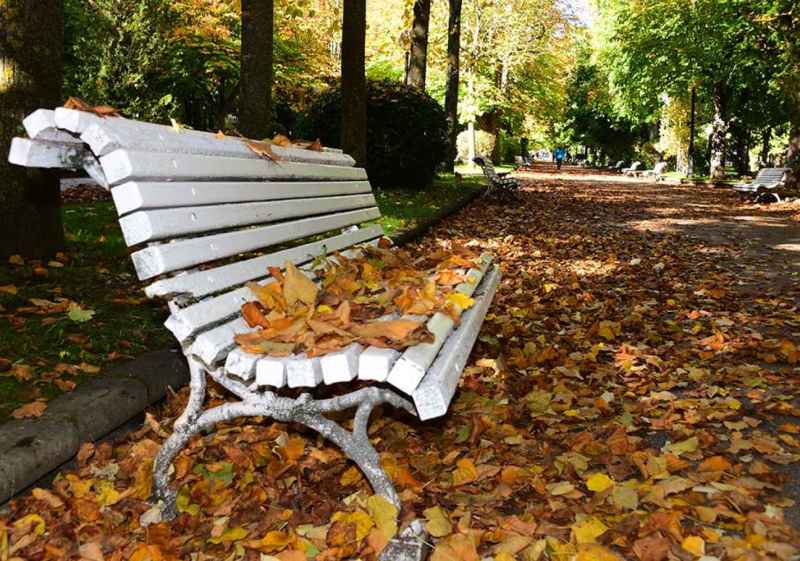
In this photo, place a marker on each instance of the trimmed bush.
(484, 144)
(510, 149)
(406, 132)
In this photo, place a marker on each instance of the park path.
(633, 395)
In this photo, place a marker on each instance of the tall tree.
(354, 81)
(418, 55)
(255, 96)
(31, 71)
(453, 65)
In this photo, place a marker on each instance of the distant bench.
(191, 204)
(765, 187)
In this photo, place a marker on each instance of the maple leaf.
(78, 314)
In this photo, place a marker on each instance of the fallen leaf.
(30, 410)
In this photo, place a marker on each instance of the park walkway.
(635, 388)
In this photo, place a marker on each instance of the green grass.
(98, 275)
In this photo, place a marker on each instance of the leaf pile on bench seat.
(381, 298)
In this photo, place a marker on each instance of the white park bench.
(657, 172)
(632, 171)
(202, 212)
(765, 187)
(502, 182)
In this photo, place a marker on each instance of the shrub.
(406, 132)
(484, 144)
(510, 148)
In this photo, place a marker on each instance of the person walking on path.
(559, 156)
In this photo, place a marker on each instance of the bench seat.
(204, 215)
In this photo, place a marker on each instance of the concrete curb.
(32, 448)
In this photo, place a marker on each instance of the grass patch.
(97, 274)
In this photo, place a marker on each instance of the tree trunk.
(793, 156)
(31, 73)
(453, 67)
(692, 126)
(766, 141)
(418, 59)
(719, 130)
(354, 83)
(255, 86)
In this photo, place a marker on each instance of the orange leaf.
(30, 410)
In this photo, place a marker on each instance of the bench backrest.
(203, 212)
(768, 176)
(487, 167)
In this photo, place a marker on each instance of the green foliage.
(509, 148)
(406, 136)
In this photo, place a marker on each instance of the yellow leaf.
(294, 448)
(438, 524)
(459, 547)
(465, 472)
(350, 476)
(549, 287)
(504, 556)
(106, 494)
(595, 552)
(31, 519)
(384, 514)
(588, 530)
(684, 446)
(361, 520)
(599, 482)
(147, 553)
(8, 289)
(560, 488)
(272, 542)
(694, 545)
(230, 535)
(16, 260)
(608, 330)
(298, 287)
(460, 301)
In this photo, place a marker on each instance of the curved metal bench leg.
(303, 410)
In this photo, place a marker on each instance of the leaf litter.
(610, 411)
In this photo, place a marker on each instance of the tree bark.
(31, 73)
(766, 141)
(255, 86)
(453, 69)
(354, 82)
(418, 59)
(692, 126)
(793, 156)
(719, 130)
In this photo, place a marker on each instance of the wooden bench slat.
(41, 125)
(213, 345)
(47, 154)
(149, 225)
(127, 165)
(198, 284)
(412, 365)
(104, 135)
(142, 195)
(163, 258)
(433, 395)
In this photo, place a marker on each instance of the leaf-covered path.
(633, 395)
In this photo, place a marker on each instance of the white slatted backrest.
(770, 175)
(203, 212)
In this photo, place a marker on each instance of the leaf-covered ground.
(633, 395)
